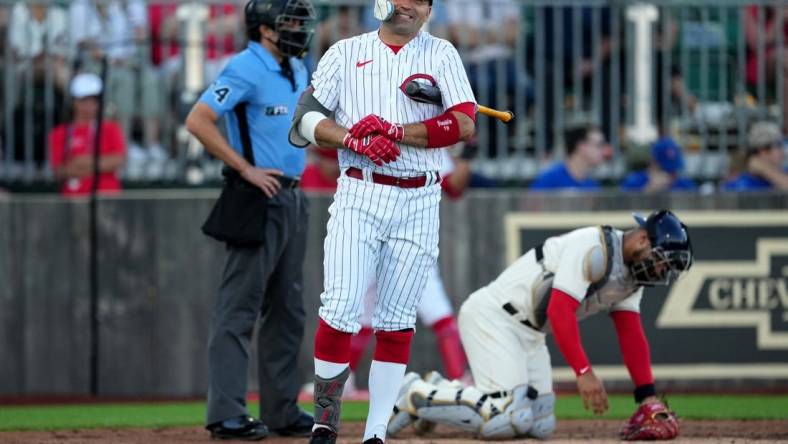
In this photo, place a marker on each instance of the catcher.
(503, 328)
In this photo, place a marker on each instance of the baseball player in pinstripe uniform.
(384, 219)
(504, 325)
(435, 309)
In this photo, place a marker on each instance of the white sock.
(385, 379)
(328, 370)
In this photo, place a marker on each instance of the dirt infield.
(569, 431)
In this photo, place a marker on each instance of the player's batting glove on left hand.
(378, 148)
(651, 421)
(373, 124)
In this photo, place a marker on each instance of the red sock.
(331, 344)
(450, 347)
(359, 343)
(393, 346)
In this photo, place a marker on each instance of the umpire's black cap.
(293, 41)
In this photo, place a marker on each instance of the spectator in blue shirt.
(663, 171)
(765, 161)
(586, 150)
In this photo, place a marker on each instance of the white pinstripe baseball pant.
(383, 231)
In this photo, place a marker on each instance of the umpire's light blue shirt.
(254, 77)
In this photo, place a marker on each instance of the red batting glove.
(377, 125)
(378, 148)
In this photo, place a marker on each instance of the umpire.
(257, 93)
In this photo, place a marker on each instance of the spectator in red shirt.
(768, 32)
(322, 173)
(72, 144)
(166, 36)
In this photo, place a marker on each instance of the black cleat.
(323, 435)
(373, 440)
(242, 427)
(301, 427)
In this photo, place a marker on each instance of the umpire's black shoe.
(242, 427)
(301, 427)
(373, 440)
(323, 435)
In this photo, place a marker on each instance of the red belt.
(402, 182)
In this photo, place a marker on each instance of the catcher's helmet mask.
(292, 20)
(671, 249)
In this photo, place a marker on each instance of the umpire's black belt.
(233, 179)
(288, 182)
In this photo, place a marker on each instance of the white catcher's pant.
(383, 231)
(502, 353)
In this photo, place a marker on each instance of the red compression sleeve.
(443, 130)
(561, 313)
(467, 108)
(634, 346)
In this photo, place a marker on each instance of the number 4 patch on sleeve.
(221, 93)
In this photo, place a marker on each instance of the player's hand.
(759, 167)
(378, 148)
(658, 181)
(593, 392)
(266, 179)
(373, 124)
(79, 166)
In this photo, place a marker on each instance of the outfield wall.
(724, 325)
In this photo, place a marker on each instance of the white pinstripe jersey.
(361, 76)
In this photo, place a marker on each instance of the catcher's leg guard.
(328, 399)
(403, 413)
(516, 420)
(450, 406)
(544, 418)
(422, 426)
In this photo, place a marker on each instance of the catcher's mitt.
(651, 421)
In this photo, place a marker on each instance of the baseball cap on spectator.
(85, 85)
(763, 135)
(667, 153)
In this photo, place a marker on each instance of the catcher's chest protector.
(603, 266)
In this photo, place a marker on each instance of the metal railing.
(700, 71)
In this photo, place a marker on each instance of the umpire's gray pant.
(265, 281)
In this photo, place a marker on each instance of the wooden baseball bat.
(421, 92)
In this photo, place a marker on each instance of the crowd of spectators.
(145, 45)
(51, 42)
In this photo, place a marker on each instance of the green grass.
(50, 417)
(688, 407)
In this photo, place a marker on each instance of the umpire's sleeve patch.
(221, 93)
